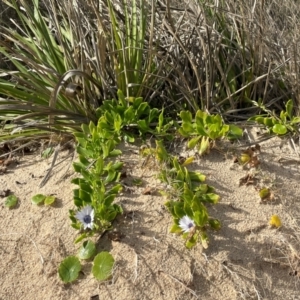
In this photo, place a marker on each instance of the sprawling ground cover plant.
(285, 123)
(99, 172)
(153, 59)
(98, 182)
(98, 169)
(187, 196)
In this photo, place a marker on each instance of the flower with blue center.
(86, 217)
(186, 224)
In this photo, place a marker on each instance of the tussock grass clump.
(69, 56)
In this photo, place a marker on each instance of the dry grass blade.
(47, 176)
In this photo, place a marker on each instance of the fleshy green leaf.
(279, 129)
(204, 146)
(86, 197)
(235, 132)
(295, 120)
(210, 197)
(115, 152)
(182, 132)
(142, 125)
(175, 229)
(69, 269)
(49, 200)
(192, 241)
(200, 217)
(269, 122)
(129, 138)
(178, 210)
(80, 238)
(103, 265)
(11, 201)
(197, 176)
(87, 250)
(188, 161)
(186, 116)
(188, 127)
(193, 142)
(38, 199)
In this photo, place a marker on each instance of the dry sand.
(246, 259)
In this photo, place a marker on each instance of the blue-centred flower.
(186, 224)
(86, 216)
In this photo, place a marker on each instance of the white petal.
(185, 223)
(80, 215)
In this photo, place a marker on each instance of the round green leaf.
(103, 265)
(69, 269)
(49, 200)
(264, 193)
(87, 250)
(129, 138)
(269, 122)
(234, 132)
(11, 201)
(38, 199)
(279, 129)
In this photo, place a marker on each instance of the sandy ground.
(246, 259)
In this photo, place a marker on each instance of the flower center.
(190, 225)
(87, 219)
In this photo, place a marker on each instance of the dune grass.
(69, 56)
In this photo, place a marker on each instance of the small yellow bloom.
(275, 221)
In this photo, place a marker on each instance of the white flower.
(86, 216)
(185, 223)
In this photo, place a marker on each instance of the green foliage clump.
(187, 196)
(280, 125)
(204, 129)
